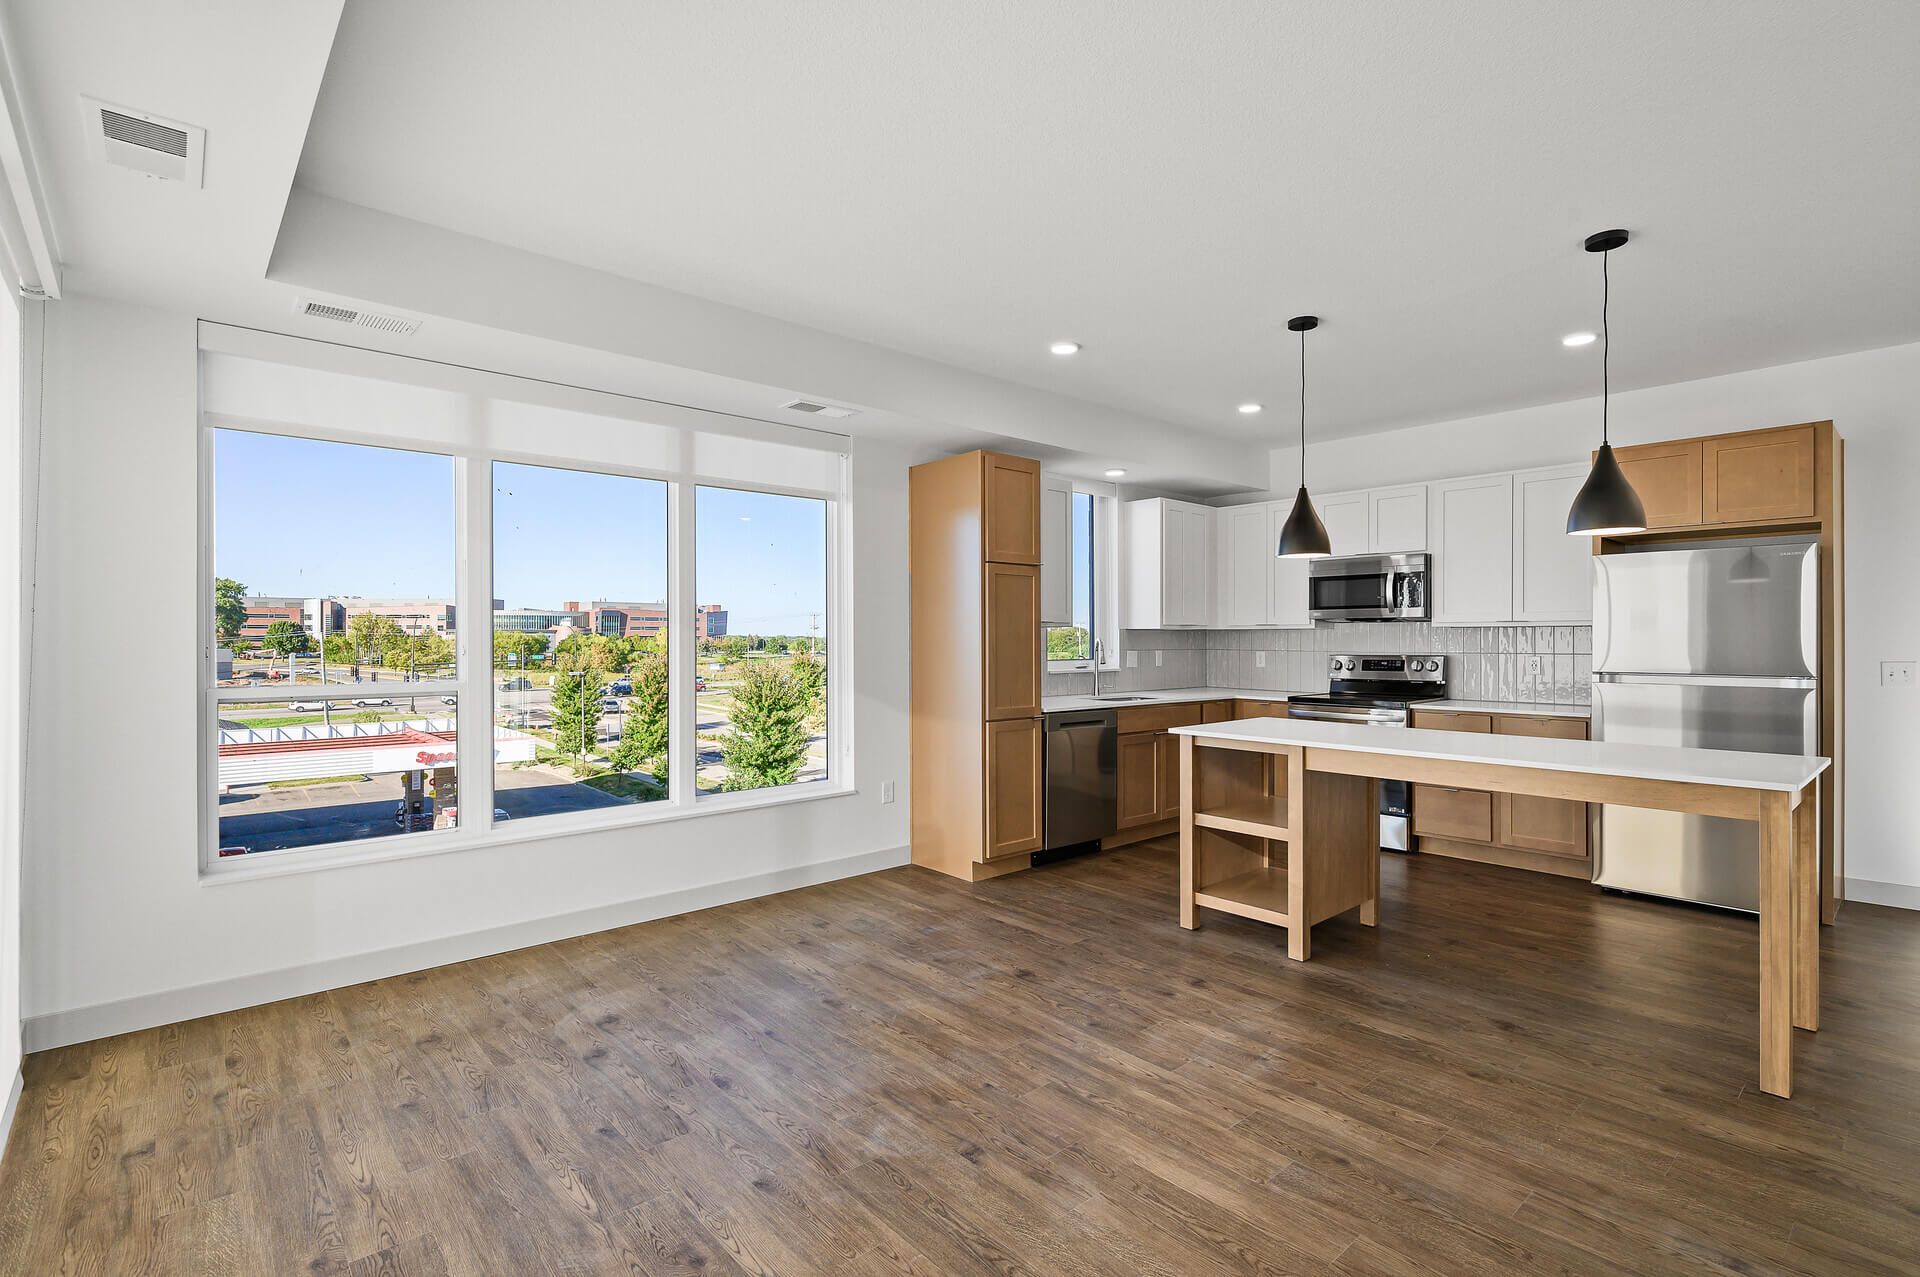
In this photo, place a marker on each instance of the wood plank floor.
(1039, 1074)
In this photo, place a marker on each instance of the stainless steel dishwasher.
(1083, 775)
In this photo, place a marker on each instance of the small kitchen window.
(1071, 648)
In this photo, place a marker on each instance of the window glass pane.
(334, 567)
(579, 638)
(333, 561)
(1075, 642)
(306, 772)
(761, 575)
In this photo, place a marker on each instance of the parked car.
(308, 707)
(369, 702)
(449, 700)
(610, 705)
(517, 685)
(499, 815)
(699, 682)
(621, 688)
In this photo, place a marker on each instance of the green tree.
(812, 677)
(284, 638)
(733, 647)
(768, 742)
(643, 736)
(338, 649)
(229, 609)
(514, 643)
(1067, 643)
(371, 635)
(576, 705)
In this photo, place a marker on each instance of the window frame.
(1103, 602)
(473, 680)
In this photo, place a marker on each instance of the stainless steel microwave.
(1370, 587)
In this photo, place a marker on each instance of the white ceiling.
(1166, 183)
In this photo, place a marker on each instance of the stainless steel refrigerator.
(1716, 647)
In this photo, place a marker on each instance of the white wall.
(1873, 400)
(120, 930)
(17, 506)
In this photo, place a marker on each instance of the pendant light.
(1303, 536)
(1607, 504)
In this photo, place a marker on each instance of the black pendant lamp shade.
(1607, 504)
(1303, 536)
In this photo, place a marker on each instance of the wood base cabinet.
(1016, 799)
(1500, 823)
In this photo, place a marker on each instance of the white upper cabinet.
(1473, 550)
(1170, 565)
(1552, 572)
(1396, 520)
(1243, 587)
(1056, 550)
(1288, 595)
(1345, 514)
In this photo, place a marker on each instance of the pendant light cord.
(1606, 344)
(1303, 408)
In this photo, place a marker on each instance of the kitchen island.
(1310, 787)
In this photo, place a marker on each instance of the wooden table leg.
(1806, 909)
(1776, 944)
(1370, 911)
(1188, 910)
(1299, 944)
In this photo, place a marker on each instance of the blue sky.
(299, 517)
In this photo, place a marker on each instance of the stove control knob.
(1433, 667)
(1334, 663)
(1348, 664)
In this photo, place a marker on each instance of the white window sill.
(302, 860)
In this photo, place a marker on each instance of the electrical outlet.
(1157, 655)
(1896, 673)
(886, 791)
(1259, 660)
(1133, 660)
(1533, 665)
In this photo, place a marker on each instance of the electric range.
(1378, 691)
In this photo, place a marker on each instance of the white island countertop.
(1519, 709)
(1161, 696)
(1740, 769)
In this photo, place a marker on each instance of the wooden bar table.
(1309, 788)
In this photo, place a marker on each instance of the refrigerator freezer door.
(1743, 609)
(1705, 858)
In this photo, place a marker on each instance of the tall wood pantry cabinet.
(974, 551)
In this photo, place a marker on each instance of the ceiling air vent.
(150, 144)
(379, 321)
(816, 409)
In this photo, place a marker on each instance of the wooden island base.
(1240, 805)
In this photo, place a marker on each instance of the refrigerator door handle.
(1705, 680)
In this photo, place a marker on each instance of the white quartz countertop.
(1737, 768)
(1162, 696)
(1525, 709)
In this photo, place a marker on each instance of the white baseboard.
(1866, 891)
(84, 1024)
(13, 1107)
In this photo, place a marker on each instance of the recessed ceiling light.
(1115, 474)
(1249, 408)
(1577, 339)
(1065, 348)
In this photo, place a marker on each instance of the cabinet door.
(1167, 760)
(1056, 551)
(1397, 519)
(1187, 570)
(1473, 550)
(1287, 588)
(1440, 811)
(1762, 474)
(1216, 711)
(1138, 799)
(1012, 641)
(1011, 509)
(1015, 805)
(1551, 825)
(1667, 478)
(1345, 514)
(1243, 586)
(1552, 572)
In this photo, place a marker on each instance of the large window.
(590, 550)
(762, 681)
(334, 696)
(633, 604)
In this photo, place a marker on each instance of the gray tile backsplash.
(1489, 662)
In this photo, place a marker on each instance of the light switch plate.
(1259, 660)
(1157, 654)
(886, 791)
(1533, 665)
(1133, 660)
(1896, 673)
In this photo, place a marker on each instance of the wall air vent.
(149, 144)
(358, 317)
(817, 409)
